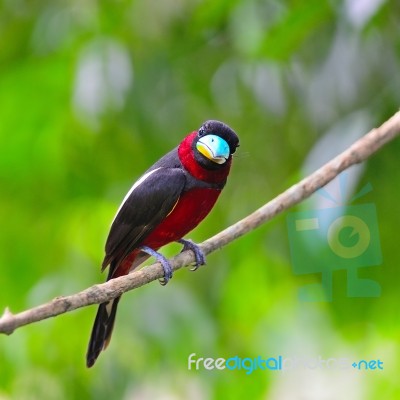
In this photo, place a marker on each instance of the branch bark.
(361, 150)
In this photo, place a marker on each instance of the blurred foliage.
(92, 93)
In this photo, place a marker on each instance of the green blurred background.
(92, 93)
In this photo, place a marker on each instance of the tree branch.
(361, 150)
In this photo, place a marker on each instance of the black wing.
(143, 209)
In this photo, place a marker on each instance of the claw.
(198, 253)
(163, 261)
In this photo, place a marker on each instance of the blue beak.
(214, 148)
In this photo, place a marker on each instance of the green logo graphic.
(326, 240)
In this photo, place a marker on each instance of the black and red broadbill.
(169, 200)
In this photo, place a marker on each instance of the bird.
(168, 201)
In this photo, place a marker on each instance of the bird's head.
(214, 144)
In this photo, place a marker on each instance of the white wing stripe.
(135, 185)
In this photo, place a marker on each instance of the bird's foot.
(162, 260)
(198, 252)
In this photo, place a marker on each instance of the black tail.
(102, 330)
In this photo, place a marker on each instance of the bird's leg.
(162, 260)
(198, 252)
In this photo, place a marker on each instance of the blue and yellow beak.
(214, 148)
